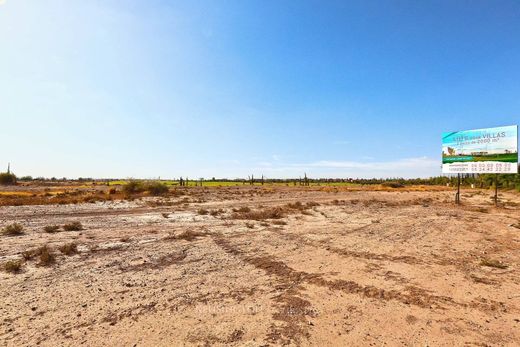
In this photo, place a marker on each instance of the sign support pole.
(457, 196)
(496, 189)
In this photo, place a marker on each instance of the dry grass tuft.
(215, 213)
(268, 213)
(188, 235)
(14, 229)
(392, 185)
(74, 226)
(44, 254)
(13, 266)
(69, 248)
(493, 263)
(46, 257)
(51, 229)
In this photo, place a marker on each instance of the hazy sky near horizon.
(104, 88)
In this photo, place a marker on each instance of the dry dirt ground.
(344, 267)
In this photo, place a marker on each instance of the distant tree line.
(505, 181)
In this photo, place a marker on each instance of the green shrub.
(7, 179)
(13, 230)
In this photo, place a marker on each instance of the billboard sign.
(492, 150)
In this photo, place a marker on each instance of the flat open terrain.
(259, 266)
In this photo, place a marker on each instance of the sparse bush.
(296, 206)
(44, 253)
(46, 257)
(270, 213)
(133, 187)
(156, 188)
(392, 184)
(493, 263)
(7, 179)
(74, 226)
(29, 254)
(69, 248)
(215, 213)
(14, 229)
(52, 229)
(13, 266)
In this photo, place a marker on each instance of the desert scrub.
(74, 226)
(269, 213)
(392, 184)
(13, 266)
(215, 213)
(51, 229)
(133, 187)
(46, 257)
(13, 230)
(156, 188)
(493, 263)
(7, 179)
(43, 253)
(69, 248)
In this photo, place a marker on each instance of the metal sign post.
(496, 189)
(457, 196)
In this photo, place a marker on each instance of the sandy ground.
(361, 268)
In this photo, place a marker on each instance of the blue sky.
(104, 88)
